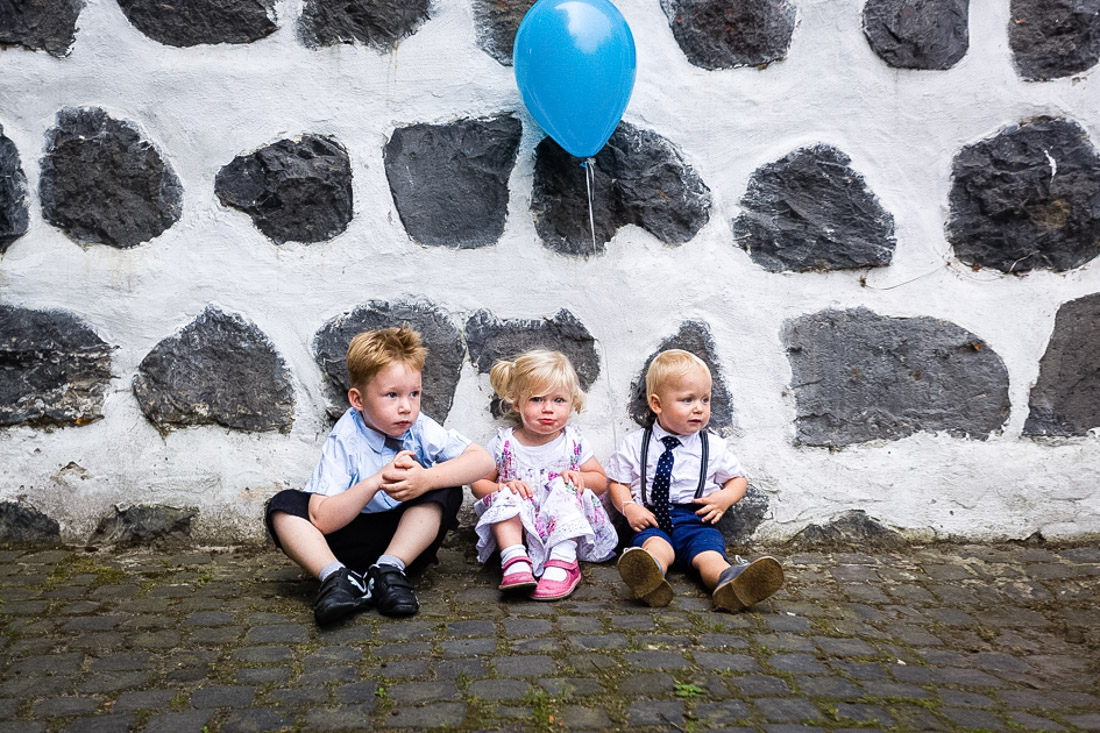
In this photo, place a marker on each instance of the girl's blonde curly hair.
(532, 373)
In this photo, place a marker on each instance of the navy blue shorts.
(365, 538)
(690, 535)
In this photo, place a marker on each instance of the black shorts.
(365, 538)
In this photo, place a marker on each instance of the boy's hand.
(405, 459)
(713, 508)
(405, 478)
(517, 487)
(638, 517)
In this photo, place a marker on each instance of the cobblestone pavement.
(944, 637)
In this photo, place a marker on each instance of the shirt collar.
(659, 432)
(375, 439)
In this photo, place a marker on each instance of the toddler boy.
(673, 482)
(385, 491)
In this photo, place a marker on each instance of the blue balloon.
(574, 62)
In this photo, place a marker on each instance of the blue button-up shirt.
(354, 452)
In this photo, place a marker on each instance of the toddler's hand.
(517, 487)
(638, 517)
(711, 512)
(574, 478)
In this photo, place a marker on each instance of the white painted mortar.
(203, 106)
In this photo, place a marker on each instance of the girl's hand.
(517, 487)
(575, 478)
(712, 510)
(638, 517)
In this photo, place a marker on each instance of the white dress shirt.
(624, 466)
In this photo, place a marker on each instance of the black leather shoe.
(390, 591)
(744, 584)
(341, 594)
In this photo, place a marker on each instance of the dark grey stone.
(442, 368)
(56, 370)
(1027, 198)
(1066, 398)
(810, 211)
(380, 24)
(105, 723)
(665, 713)
(918, 34)
(344, 717)
(693, 336)
(294, 190)
(42, 25)
(858, 376)
(197, 22)
(639, 178)
(1051, 39)
(432, 715)
(222, 696)
(13, 191)
(450, 182)
(722, 713)
(21, 524)
(852, 529)
(663, 660)
(175, 722)
(496, 23)
(724, 34)
(743, 518)
(219, 369)
(255, 719)
(103, 183)
(143, 525)
(490, 339)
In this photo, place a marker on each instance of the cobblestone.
(951, 637)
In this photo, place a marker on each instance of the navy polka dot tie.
(661, 483)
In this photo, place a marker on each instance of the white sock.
(391, 560)
(564, 551)
(515, 551)
(329, 569)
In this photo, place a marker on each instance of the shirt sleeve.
(726, 465)
(622, 465)
(494, 447)
(335, 472)
(438, 444)
(584, 449)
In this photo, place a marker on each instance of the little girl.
(547, 483)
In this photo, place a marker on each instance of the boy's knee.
(425, 511)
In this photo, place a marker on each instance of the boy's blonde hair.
(372, 351)
(670, 364)
(531, 373)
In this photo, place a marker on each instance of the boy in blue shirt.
(385, 491)
(692, 482)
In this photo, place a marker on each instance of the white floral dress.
(555, 511)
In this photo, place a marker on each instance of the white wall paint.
(203, 106)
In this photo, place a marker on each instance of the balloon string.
(590, 182)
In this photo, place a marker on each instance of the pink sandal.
(519, 580)
(552, 590)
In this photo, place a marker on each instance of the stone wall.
(876, 219)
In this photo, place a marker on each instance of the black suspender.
(704, 460)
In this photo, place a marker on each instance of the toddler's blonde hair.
(670, 364)
(532, 373)
(372, 351)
